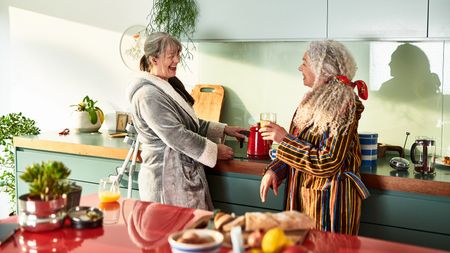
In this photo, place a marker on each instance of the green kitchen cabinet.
(261, 20)
(439, 20)
(366, 19)
(408, 218)
(239, 193)
(85, 170)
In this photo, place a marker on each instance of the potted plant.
(43, 208)
(12, 124)
(178, 18)
(87, 117)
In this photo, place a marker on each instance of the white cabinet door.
(261, 19)
(439, 21)
(377, 18)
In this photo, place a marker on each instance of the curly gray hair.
(330, 58)
(330, 105)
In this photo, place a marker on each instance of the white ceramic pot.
(82, 124)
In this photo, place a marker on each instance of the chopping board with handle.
(208, 101)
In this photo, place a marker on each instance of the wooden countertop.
(101, 145)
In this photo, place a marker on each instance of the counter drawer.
(407, 210)
(239, 209)
(229, 188)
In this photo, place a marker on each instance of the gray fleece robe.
(176, 145)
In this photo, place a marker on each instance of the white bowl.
(179, 247)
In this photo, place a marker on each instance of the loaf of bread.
(293, 220)
(237, 222)
(287, 220)
(258, 220)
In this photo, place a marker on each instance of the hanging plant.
(177, 18)
(12, 124)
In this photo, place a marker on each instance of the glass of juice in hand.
(108, 190)
(267, 117)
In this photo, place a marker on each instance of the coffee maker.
(423, 156)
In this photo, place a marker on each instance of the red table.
(137, 226)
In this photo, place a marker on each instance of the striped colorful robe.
(323, 176)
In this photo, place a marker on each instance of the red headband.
(360, 84)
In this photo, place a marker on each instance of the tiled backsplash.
(409, 84)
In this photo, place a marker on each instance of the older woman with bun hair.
(176, 145)
(320, 157)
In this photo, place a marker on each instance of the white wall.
(54, 52)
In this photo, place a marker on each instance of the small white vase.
(82, 124)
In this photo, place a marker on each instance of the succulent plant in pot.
(87, 117)
(43, 208)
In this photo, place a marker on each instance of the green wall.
(263, 76)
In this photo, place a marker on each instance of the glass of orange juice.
(108, 190)
(267, 117)
(111, 212)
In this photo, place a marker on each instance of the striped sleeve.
(279, 168)
(323, 161)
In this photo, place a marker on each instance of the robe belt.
(360, 187)
(357, 182)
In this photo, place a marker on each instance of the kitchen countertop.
(153, 222)
(381, 177)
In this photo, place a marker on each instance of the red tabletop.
(137, 226)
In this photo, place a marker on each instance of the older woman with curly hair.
(320, 156)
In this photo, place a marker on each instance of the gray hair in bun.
(156, 45)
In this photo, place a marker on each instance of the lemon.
(101, 115)
(274, 241)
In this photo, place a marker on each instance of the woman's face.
(305, 68)
(165, 65)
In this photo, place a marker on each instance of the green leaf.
(47, 180)
(93, 116)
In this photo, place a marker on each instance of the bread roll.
(221, 220)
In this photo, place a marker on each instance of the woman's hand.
(234, 131)
(273, 132)
(224, 152)
(269, 179)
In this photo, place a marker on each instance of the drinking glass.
(111, 212)
(267, 117)
(108, 190)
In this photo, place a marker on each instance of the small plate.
(441, 163)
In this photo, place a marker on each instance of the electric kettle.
(423, 155)
(257, 148)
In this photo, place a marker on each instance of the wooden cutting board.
(208, 101)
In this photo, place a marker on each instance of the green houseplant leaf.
(178, 18)
(47, 180)
(12, 124)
